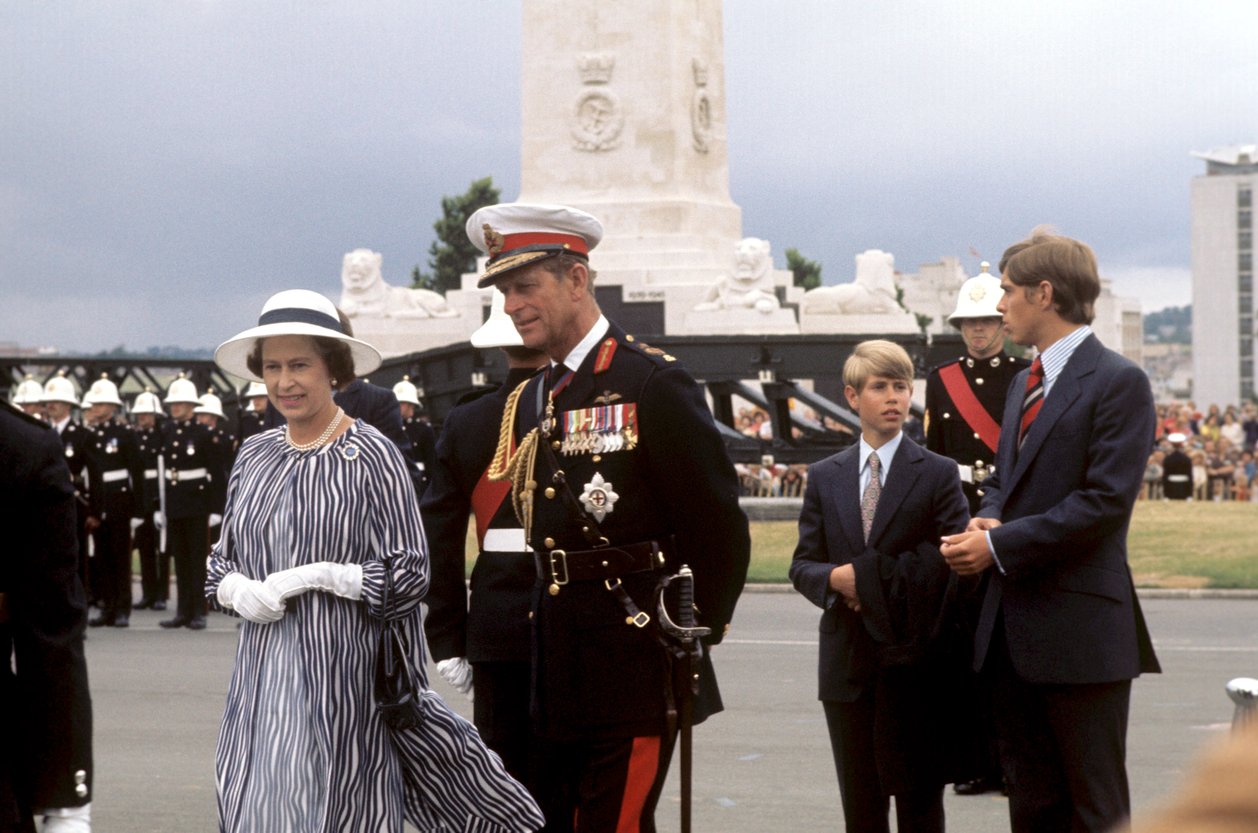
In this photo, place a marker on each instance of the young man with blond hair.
(868, 556)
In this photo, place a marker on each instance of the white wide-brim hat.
(293, 312)
(498, 330)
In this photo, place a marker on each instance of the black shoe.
(142, 604)
(122, 622)
(159, 604)
(978, 786)
(177, 622)
(101, 621)
(196, 623)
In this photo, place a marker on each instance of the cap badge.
(493, 240)
(977, 292)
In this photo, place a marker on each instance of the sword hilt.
(684, 627)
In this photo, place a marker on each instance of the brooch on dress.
(349, 451)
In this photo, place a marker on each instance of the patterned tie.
(1034, 398)
(869, 500)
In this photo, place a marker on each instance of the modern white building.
(1223, 276)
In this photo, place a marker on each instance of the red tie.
(1034, 398)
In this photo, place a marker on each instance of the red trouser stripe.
(644, 764)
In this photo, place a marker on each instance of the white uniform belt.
(150, 474)
(505, 540)
(967, 473)
(114, 476)
(1177, 478)
(175, 475)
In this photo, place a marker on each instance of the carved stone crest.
(700, 107)
(597, 118)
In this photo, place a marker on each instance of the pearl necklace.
(321, 439)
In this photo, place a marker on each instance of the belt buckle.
(559, 559)
(172, 475)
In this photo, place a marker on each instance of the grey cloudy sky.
(168, 164)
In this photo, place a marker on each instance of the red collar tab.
(606, 351)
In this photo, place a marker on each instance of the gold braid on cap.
(517, 467)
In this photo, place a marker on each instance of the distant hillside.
(1172, 325)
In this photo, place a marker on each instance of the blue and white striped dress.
(301, 747)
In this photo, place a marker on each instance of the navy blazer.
(1069, 608)
(903, 583)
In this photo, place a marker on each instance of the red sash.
(971, 410)
(486, 498)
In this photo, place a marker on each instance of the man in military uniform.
(154, 565)
(118, 478)
(253, 418)
(209, 412)
(1177, 470)
(29, 396)
(620, 478)
(965, 400)
(46, 733)
(191, 455)
(481, 644)
(60, 400)
(418, 431)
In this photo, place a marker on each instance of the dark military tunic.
(154, 565)
(634, 437)
(117, 481)
(423, 453)
(251, 422)
(1177, 476)
(46, 734)
(947, 430)
(192, 456)
(75, 440)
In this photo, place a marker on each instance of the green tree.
(807, 272)
(452, 254)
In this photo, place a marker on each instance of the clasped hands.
(967, 553)
(263, 601)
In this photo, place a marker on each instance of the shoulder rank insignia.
(606, 351)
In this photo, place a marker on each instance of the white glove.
(457, 671)
(136, 523)
(344, 580)
(68, 819)
(159, 519)
(215, 519)
(250, 598)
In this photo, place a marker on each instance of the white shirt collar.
(1054, 359)
(573, 360)
(60, 426)
(886, 453)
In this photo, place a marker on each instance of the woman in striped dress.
(312, 509)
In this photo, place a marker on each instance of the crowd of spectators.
(1221, 444)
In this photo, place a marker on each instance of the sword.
(687, 633)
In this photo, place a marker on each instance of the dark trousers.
(603, 786)
(865, 805)
(500, 711)
(188, 542)
(154, 565)
(1063, 748)
(112, 565)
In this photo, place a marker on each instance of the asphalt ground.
(762, 765)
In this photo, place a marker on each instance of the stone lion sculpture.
(365, 293)
(751, 285)
(871, 293)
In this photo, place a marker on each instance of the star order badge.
(598, 497)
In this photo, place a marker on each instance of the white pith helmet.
(255, 389)
(210, 404)
(978, 297)
(498, 330)
(29, 392)
(405, 391)
(146, 403)
(182, 390)
(103, 392)
(60, 389)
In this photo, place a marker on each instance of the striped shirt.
(1055, 357)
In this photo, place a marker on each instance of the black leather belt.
(562, 566)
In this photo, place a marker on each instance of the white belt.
(505, 540)
(175, 475)
(1177, 478)
(114, 476)
(967, 473)
(150, 474)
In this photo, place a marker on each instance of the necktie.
(869, 500)
(557, 379)
(1033, 399)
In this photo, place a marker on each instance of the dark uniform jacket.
(1177, 476)
(950, 433)
(117, 477)
(75, 440)
(423, 447)
(46, 736)
(192, 456)
(251, 422)
(493, 625)
(149, 441)
(667, 480)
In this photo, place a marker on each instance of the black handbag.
(398, 693)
